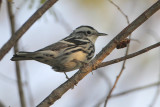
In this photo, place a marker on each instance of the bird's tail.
(22, 56)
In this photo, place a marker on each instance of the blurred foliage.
(42, 1)
(32, 2)
(10, 0)
(91, 3)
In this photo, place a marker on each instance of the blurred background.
(58, 22)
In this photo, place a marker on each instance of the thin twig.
(28, 88)
(87, 68)
(126, 53)
(155, 97)
(8, 79)
(109, 84)
(158, 88)
(103, 64)
(18, 72)
(136, 89)
(126, 17)
(18, 34)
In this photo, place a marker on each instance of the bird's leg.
(66, 75)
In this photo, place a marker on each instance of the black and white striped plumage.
(68, 53)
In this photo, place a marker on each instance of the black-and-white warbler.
(67, 54)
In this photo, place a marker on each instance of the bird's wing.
(57, 46)
(55, 49)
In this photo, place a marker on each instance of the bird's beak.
(102, 34)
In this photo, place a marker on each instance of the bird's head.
(87, 32)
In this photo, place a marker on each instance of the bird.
(67, 54)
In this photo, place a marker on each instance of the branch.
(1, 104)
(136, 89)
(126, 17)
(126, 53)
(18, 73)
(18, 34)
(155, 98)
(86, 69)
(103, 64)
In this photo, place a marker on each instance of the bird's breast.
(79, 56)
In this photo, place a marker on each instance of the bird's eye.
(88, 32)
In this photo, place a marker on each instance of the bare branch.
(18, 34)
(120, 10)
(1, 104)
(86, 69)
(103, 64)
(136, 89)
(121, 59)
(155, 98)
(18, 72)
(126, 53)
